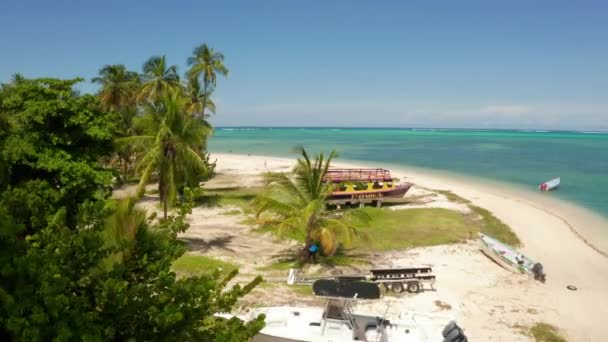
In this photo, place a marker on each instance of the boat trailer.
(412, 279)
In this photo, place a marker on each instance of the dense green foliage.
(51, 151)
(75, 265)
(297, 203)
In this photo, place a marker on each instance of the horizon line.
(521, 130)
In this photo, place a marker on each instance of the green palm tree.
(298, 203)
(197, 98)
(159, 79)
(172, 147)
(206, 63)
(123, 224)
(118, 87)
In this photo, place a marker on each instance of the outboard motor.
(453, 333)
(539, 274)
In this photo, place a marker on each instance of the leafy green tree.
(206, 63)
(119, 87)
(55, 141)
(298, 203)
(173, 142)
(159, 79)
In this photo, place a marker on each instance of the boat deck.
(358, 175)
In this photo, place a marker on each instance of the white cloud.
(396, 113)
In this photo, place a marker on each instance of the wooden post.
(378, 203)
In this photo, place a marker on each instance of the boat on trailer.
(363, 186)
(337, 321)
(550, 184)
(509, 258)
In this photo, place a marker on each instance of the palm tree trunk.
(204, 99)
(162, 186)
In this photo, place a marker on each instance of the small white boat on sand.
(337, 322)
(509, 258)
(550, 184)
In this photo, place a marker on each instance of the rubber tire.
(448, 328)
(413, 287)
(397, 287)
(454, 335)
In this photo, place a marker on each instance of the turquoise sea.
(525, 158)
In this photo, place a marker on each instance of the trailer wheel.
(413, 287)
(397, 287)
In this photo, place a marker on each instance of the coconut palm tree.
(118, 87)
(206, 63)
(197, 98)
(297, 202)
(123, 224)
(159, 79)
(172, 147)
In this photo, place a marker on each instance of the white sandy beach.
(488, 301)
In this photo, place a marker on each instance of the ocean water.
(524, 158)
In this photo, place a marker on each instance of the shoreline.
(570, 213)
(547, 236)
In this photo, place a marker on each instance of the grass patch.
(232, 212)
(238, 197)
(302, 289)
(190, 265)
(401, 229)
(494, 227)
(485, 221)
(543, 332)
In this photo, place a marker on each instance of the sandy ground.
(487, 300)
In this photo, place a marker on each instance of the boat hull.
(290, 324)
(396, 192)
(550, 185)
(505, 256)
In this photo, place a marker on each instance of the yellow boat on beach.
(364, 186)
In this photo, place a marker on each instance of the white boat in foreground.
(337, 322)
(509, 258)
(550, 184)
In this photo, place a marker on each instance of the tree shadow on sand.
(202, 245)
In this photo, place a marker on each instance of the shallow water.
(525, 158)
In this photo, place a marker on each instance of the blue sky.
(485, 64)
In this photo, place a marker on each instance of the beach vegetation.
(544, 332)
(171, 149)
(159, 79)
(295, 204)
(119, 87)
(484, 221)
(76, 265)
(192, 265)
(206, 64)
(240, 197)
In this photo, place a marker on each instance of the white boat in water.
(509, 258)
(337, 322)
(550, 185)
